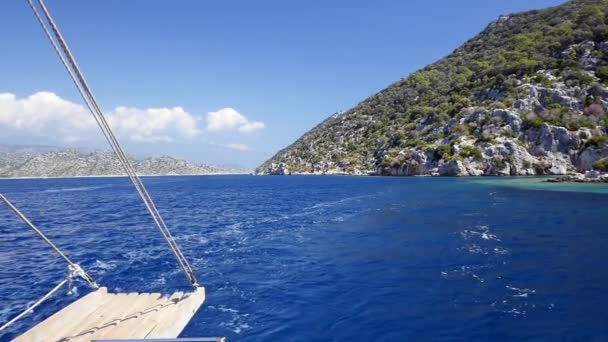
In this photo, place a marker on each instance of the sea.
(326, 258)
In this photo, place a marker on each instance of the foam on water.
(338, 258)
(79, 188)
(521, 293)
(101, 267)
(493, 258)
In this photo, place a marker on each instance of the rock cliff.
(527, 96)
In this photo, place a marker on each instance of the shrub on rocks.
(601, 165)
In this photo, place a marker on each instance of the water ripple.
(316, 258)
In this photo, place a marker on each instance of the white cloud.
(251, 126)
(46, 114)
(239, 147)
(43, 112)
(229, 119)
(153, 124)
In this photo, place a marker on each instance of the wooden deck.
(103, 315)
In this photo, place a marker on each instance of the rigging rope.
(33, 306)
(69, 63)
(73, 268)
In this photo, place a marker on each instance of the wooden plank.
(110, 318)
(90, 324)
(133, 325)
(180, 316)
(117, 316)
(70, 314)
(136, 325)
(130, 314)
(155, 316)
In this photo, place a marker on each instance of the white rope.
(69, 63)
(29, 309)
(73, 267)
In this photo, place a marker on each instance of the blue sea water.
(328, 258)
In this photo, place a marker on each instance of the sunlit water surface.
(328, 258)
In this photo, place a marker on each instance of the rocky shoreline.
(587, 177)
(519, 99)
(513, 150)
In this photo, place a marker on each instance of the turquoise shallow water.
(328, 258)
(540, 183)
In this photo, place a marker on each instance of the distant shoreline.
(552, 178)
(125, 176)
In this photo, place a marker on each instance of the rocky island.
(37, 162)
(527, 96)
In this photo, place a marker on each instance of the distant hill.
(34, 161)
(526, 96)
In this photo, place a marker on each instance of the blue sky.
(267, 70)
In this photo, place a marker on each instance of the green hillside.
(525, 96)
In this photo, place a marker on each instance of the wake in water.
(74, 189)
(490, 257)
(345, 258)
(329, 204)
